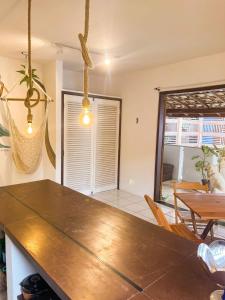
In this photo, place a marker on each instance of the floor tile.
(135, 207)
(143, 204)
(126, 202)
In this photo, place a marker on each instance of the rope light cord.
(29, 43)
(86, 25)
(31, 89)
(85, 54)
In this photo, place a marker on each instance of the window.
(195, 132)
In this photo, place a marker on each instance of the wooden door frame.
(64, 92)
(161, 130)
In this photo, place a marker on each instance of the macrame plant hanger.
(27, 150)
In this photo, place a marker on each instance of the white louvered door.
(91, 154)
(78, 148)
(106, 144)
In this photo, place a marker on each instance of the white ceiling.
(135, 33)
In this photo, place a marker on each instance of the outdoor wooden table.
(209, 207)
(86, 249)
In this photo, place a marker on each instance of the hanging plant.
(26, 78)
(35, 78)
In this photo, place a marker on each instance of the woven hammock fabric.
(26, 151)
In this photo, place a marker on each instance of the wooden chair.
(179, 229)
(186, 216)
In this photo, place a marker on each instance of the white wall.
(141, 100)
(8, 172)
(189, 172)
(98, 84)
(52, 75)
(171, 156)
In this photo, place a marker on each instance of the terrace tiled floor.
(137, 206)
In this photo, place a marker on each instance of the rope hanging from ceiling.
(31, 90)
(85, 54)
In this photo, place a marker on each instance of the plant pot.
(205, 182)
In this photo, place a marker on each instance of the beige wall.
(140, 100)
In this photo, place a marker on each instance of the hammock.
(14, 132)
(26, 151)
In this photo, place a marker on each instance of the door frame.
(64, 92)
(161, 130)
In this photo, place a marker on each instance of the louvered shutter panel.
(78, 147)
(106, 144)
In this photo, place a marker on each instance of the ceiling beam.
(205, 111)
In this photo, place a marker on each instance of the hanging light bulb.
(29, 128)
(86, 118)
(107, 61)
(29, 122)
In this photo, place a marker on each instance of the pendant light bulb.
(107, 61)
(29, 128)
(86, 118)
(29, 123)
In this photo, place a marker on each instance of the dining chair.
(180, 229)
(186, 216)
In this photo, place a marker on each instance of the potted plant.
(202, 164)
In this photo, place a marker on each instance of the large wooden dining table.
(86, 249)
(209, 207)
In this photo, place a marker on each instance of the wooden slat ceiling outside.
(196, 103)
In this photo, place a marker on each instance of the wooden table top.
(206, 206)
(86, 249)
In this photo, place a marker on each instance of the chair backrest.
(158, 214)
(194, 186)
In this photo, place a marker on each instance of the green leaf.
(199, 164)
(3, 131)
(23, 80)
(21, 72)
(41, 84)
(195, 157)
